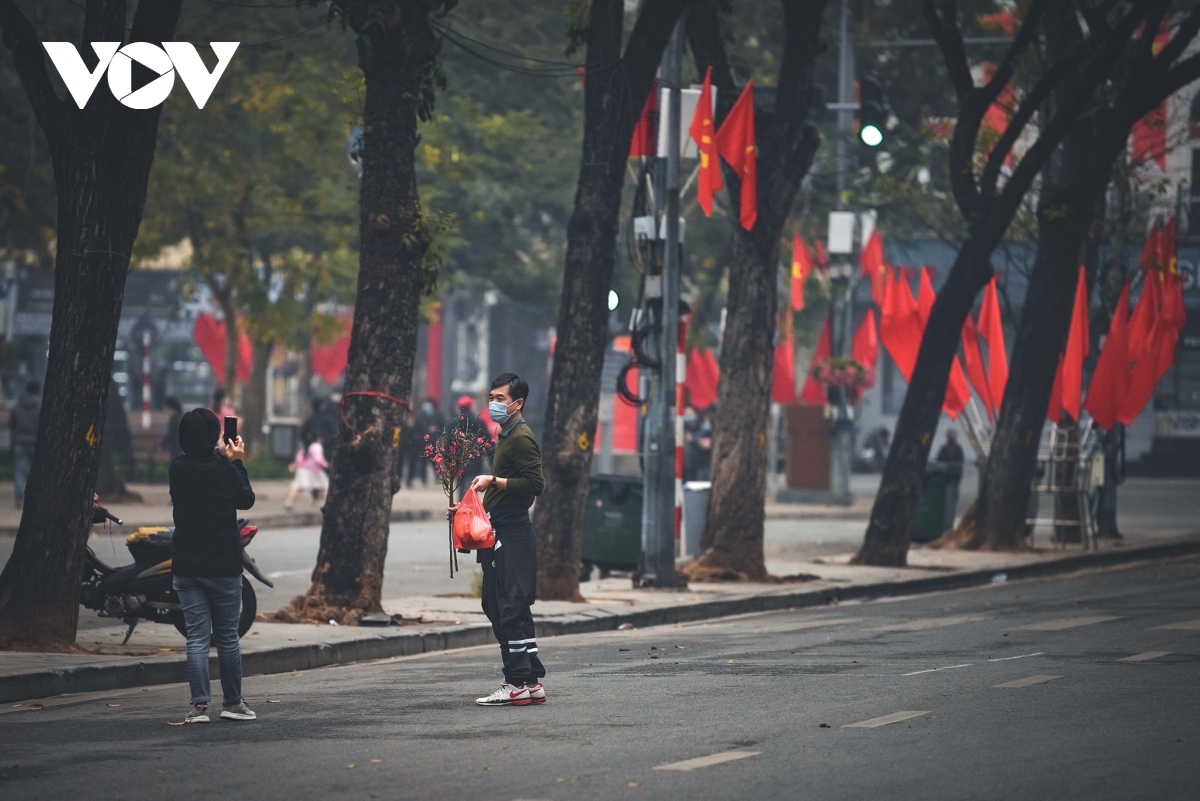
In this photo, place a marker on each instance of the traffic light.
(873, 112)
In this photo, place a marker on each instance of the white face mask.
(499, 411)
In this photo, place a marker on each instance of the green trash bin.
(612, 523)
(930, 522)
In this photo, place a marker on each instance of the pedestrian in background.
(208, 487)
(170, 441)
(952, 459)
(23, 428)
(473, 425)
(429, 420)
(309, 469)
(318, 425)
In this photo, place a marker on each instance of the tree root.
(968, 536)
(715, 565)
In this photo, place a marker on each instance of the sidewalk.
(419, 503)
(155, 653)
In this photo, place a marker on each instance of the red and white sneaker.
(507, 695)
(537, 693)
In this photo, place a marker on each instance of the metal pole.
(664, 550)
(146, 379)
(845, 101)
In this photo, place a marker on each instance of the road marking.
(707, 761)
(1067, 623)
(1016, 684)
(923, 624)
(875, 723)
(934, 670)
(1186, 625)
(1146, 657)
(1022, 656)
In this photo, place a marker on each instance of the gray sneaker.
(199, 714)
(238, 711)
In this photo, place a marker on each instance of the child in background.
(309, 467)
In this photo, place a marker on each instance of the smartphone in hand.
(230, 429)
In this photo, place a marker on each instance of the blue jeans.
(211, 609)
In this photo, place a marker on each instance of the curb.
(400, 642)
(294, 520)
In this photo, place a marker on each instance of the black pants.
(509, 589)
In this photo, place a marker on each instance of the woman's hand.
(450, 512)
(481, 483)
(233, 451)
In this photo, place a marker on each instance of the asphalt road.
(1070, 688)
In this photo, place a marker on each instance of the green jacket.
(518, 459)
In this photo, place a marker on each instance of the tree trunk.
(254, 400)
(614, 86)
(732, 542)
(348, 577)
(102, 157)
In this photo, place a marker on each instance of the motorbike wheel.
(249, 611)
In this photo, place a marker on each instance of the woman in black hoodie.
(208, 486)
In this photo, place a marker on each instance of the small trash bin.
(931, 522)
(695, 513)
(612, 523)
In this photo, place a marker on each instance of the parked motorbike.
(143, 590)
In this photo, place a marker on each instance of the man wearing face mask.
(510, 566)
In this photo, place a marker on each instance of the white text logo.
(118, 61)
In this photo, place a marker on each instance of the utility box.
(695, 514)
(809, 448)
(612, 523)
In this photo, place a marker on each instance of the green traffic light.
(871, 136)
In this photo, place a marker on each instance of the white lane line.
(706, 761)
(1186, 625)
(1067, 623)
(1022, 656)
(1016, 684)
(935, 670)
(923, 624)
(1145, 657)
(895, 717)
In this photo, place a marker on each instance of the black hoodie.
(207, 493)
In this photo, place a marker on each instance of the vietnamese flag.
(645, 134)
(1172, 319)
(736, 144)
(813, 393)
(801, 269)
(1110, 379)
(1067, 393)
(1142, 375)
(976, 374)
(209, 335)
(991, 329)
(958, 394)
(864, 348)
(783, 376)
(900, 325)
(703, 133)
(873, 265)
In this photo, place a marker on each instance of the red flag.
(958, 394)
(900, 325)
(703, 134)
(1110, 379)
(736, 144)
(813, 393)
(801, 268)
(873, 265)
(864, 349)
(992, 331)
(783, 376)
(1150, 258)
(1068, 383)
(209, 333)
(1172, 319)
(645, 134)
(329, 361)
(702, 376)
(822, 256)
(976, 374)
(925, 298)
(1142, 375)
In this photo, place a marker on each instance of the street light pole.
(658, 510)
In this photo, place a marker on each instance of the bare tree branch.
(949, 38)
(1184, 33)
(19, 36)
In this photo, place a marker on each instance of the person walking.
(309, 468)
(170, 441)
(510, 566)
(952, 459)
(22, 429)
(208, 486)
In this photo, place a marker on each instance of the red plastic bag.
(472, 529)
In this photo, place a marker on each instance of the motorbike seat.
(150, 545)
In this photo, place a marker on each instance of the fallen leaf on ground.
(560, 780)
(166, 650)
(112, 705)
(351, 765)
(633, 784)
(619, 649)
(732, 662)
(173, 723)
(823, 726)
(625, 627)
(273, 701)
(681, 646)
(376, 761)
(653, 647)
(487, 767)
(37, 706)
(654, 656)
